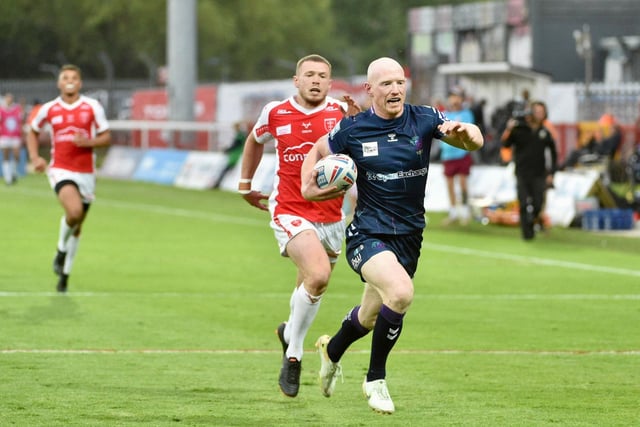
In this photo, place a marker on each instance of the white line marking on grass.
(533, 260)
(509, 297)
(256, 351)
(185, 213)
(143, 207)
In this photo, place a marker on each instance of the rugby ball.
(336, 170)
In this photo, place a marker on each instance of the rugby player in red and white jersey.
(309, 233)
(78, 125)
(10, 137)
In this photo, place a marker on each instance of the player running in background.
(390, 144)
(309, 233)
(10, 137)
(78, 125)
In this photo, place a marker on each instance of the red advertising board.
(152, 104)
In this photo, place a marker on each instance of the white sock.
(64, 234)
(465, 212)
(6, 171)
(72, 248)
(453, 212)
(292, 304)
(306, 308)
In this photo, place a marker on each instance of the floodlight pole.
(585, 50)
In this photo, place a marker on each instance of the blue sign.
(161, 166)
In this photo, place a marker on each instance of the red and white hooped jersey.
(295, 131)
(86, 117)
(11, 121)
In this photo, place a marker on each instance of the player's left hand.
(454, 129)
(81, 141)
(353, 107)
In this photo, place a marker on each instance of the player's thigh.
(386, 275)
(309, 255)
(71, 201)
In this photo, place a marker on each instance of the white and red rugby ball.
(336, 170)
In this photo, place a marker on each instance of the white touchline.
(336, 295)
(432, 246)
(398, 351)
(533, 260)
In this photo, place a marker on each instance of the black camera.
(519, 114)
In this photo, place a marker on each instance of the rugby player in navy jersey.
(390, 144)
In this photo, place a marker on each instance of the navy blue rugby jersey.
(392, 157)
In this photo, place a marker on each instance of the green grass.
(175, 295)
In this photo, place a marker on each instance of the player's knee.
(400, 298)
(317, 281)
(74, 216)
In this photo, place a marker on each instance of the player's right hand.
(254, 199)
(39, 164)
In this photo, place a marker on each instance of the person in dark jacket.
(531, 141)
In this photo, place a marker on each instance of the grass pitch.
(175, 295)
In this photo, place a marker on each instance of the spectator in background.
(601, 145)
(234, 151)
(78, 125)
(477, 109)
(531, 141)
(456, 161)
(11, 122)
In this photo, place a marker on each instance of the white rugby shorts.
(9, 142)
(86, 182)
(331, 235)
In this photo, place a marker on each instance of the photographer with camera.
(530, 139)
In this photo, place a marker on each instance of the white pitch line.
(255, 351)
(533, 260)
(433, 246)
(185, 213)
(479, 297)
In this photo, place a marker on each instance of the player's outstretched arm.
(39, 163)
(462, 135)
(251, 157)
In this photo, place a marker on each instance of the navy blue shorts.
(360, 248)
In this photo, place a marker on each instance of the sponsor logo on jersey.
(85, 116)
(69, 133)
(296, 153)
(262, 130)
(56, 120)
(416, 141)
(392, 137)
(307, 127)
(329, 124)
(283, 111)
(283, 130)
(384, 177)
(369, 149)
